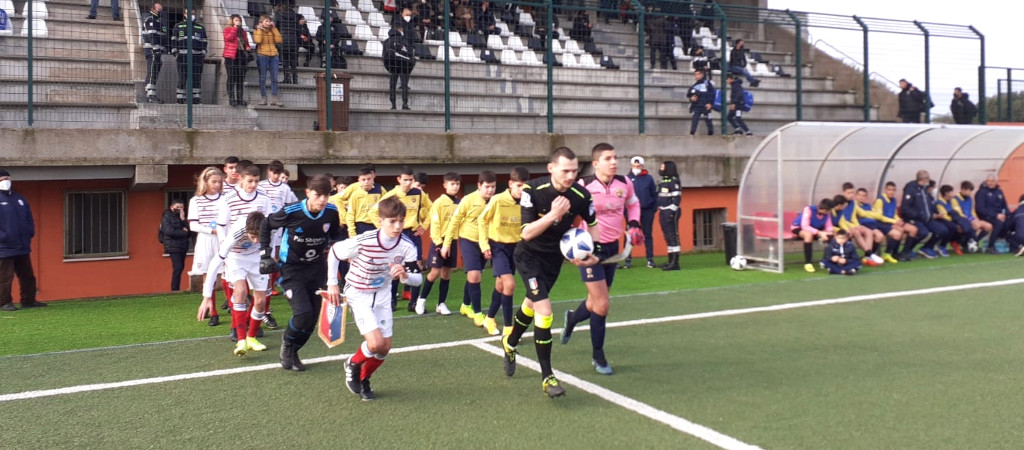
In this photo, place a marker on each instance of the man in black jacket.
(288, 24)
(736, 105)
(990, 204)
(918, 210)
(174, 236)
(962, 107)
(738, 63)
(399, 60)
(18, 228)
(702, 96)
(179, 48)
(154, 34)
(912, 102)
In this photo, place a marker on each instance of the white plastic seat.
(494, 42)
(307, 12)
(678, 53)
(374, 48)
(366, 6)
(569, 60)
(353, 17)
(468, 54)
(504, 29)
(314, 26)
(509, 57)
(451, 55)
(8, 7)
(38, 28)
(571, 46)
(707, 43)
(763, 70)
(363, 32)
(678, 41)
(346, 5)
(382, 33)
(376, 19)
(38, 10)
(530, 59)
(704, 32)
(516, 44)
(588, 62)
(455, 39)
(556, 47)
(526, 19)
(562, 35)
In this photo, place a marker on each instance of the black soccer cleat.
(234, 335)
(214, 321)
(290, 358)
(352, 381)
(567, 326)
(270, 321)
(366, 393)
(225, 306)
(552, 387)
(509, 360)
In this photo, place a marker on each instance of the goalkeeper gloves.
(636, 237)
(267, 263)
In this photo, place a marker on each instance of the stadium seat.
(678, 41)
(8, 7)
(762, 70)
(376, 19)
(346, 5)
(374, 48)
(494, 42)
(350, 47)
(309, 14)
(38, 28)
(767, 229)
(366, 6)
(525, 19)
(487, 56)
(569, 60)
(707, 42)
(678, 53)
(382, 33)
(455, 39)
(530, 59)
(556, 47)
(703, 32)
(468, 54)
(353, 17)
(587, 61)
(504, 29)
(509, 57)
(516, 44)
(38, 10)
(571, 46)
(451, 55)
(562, 35)
(476, 40)
(364, 33)
(423, 52)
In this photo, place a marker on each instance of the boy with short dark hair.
(463, 226)
(441, 266)
(417, 209)
(814, 222)
(841, 255)
(500, 225)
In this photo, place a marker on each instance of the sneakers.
(567, 327)
(290, 358)
(943, 253)
(255, 345)
(225, 306)
(603, 369)
(890, 259)
(442, 310)
(154, 99)
(367, 393)
(809, 268)
(491, 327)
(509, 361)
(406, 295)
(214, 321)
(650, 263)
(927, 253)
(466, 310)
(956, 248)
(33, 304)
(867, 261)
(478, 319)
(8, 307)
(241, 347)
(877, 259)
(421, 306)
(270, 321)
(552, 387)
(352, 381)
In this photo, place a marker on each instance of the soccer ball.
(972, 246)
(738, 263)
(576, 244)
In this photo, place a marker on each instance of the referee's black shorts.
(539, 271)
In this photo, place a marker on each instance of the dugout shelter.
(802, 162)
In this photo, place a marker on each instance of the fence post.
(799, 66)
(447, 70)
(189, 32)
(1009, 94)
(328, 53)
(641, 63)
(867, 71)
(723, 41)
(31, 62)
(927, 68)
(999, 99)
(982, 118)
(550, 58)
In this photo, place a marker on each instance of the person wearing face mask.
(425, 13)
(647, 192)
(399, 60)
(669, 193)
(174, 236)
(180, 39)
(16, 232)
(407, 23)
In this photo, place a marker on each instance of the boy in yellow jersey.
(859, 234)
(417, 207)
(440, 266)
(885, 211)
(463, 227)
(362, 197)
(339, 201)
(963, 203)
(500, 231)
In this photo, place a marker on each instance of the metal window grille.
(95, 224)
(707, 225)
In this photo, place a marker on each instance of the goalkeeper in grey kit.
(310, 227)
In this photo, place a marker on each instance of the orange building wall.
(693, 198)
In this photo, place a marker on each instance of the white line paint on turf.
(731, 312)
(648, 411)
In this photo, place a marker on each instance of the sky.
(954, 62)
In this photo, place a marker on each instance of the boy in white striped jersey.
(280, 194)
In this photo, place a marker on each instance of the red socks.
(239, 320)
(370, 366)
(369, 361)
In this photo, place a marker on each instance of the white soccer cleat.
(877, 259)
(421, 306)
(442, 310)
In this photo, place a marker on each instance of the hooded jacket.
(16, 225)
(172, 230)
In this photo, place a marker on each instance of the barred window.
(707, 228)
(95, 224)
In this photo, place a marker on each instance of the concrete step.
(71, 10)
(66, 69)
(60, 48)
(205, 117)
(99, 116)
(62, 92)
(80, 29)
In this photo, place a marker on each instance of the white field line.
(732, 312)
(648, 411)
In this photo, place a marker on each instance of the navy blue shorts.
(362, 227)
(872, 225)
(472, 257)
(416, 240)
(885, 228)
(437, 262)
(600, 272)
(502, 261)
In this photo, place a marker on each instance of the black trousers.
(405, 88)
(669, 221)
(695, 121)
(236, 78)
(177, 266)
(21, 266)
(197, 75)
(290, 60)
(153, 65)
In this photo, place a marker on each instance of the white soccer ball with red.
(576, 244)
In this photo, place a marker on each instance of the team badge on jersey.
(398, 260)
(619, 193)
(327, 226)
(532, 282)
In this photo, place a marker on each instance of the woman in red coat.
(236, 46)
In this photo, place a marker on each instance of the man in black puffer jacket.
(399, 60)
(174, 236)
(912, 103)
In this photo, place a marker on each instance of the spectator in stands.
(462, 16)
(399, 60)
(962, 107)
(702, 97)
(607, 5)
(425, 15)
(154, 35)
(700, 61)
(407, 23)
(18, 229)
(174, 236)
(736, 102)
(288, 25)
(581, 27)
(180, 42)
(485, 22)
(115, 8)
(331, 51)
(660, 39)
(540, 18)
(646, 190)
(991, 207)
(911, 102)
(841, 256)
(738, 63)
(685, 31)
(267, 38)
(814, 222)
(707, 15)
(306, 40)
(236, 57)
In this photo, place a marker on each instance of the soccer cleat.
(1020, 252)
(406, 295)
(366, 393)
(943, 253)
(552, 387)
(290, 358)
(241, 347)
(33, 304)
(442, 310)
(466, 310)
(567, 327)
(956, 248)
(255, 345)
(225, 305)
(603, 369)
(8, 307)
(214, 321)
(478, 319)
(421, 306)
(234, 335)
(877, 259)
(809, 268)
(889, 259)
(509, 361)
(352, 381)
(270, 321)
(650, 263)
(491, 327)
(867, 261)
(927, 253)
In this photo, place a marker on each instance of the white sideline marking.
(676, 422)
(731, 312)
